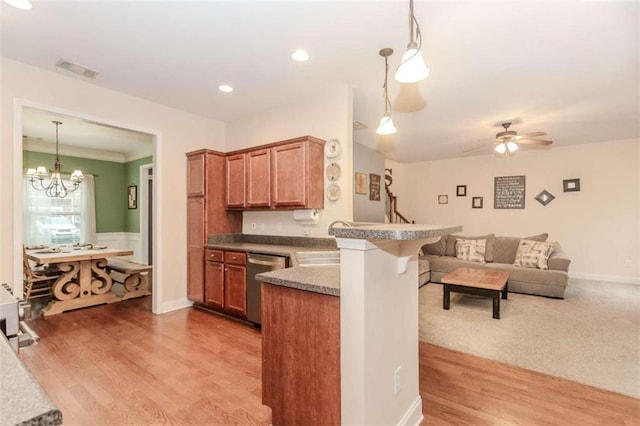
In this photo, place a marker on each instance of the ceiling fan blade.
(532, 134)
(477, 148)
(535, 142)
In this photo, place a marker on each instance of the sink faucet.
(342, 222)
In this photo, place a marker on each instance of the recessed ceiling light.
(225, 88)
(300, 55)
(20, 4)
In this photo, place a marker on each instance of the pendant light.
(412, 67)
(386, 126)
(55, 188)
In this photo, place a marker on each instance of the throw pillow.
(438, 247)
(471, 250)
(534, 254)
(451, 245)
(505, 248)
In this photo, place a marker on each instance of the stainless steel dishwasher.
(256, 264)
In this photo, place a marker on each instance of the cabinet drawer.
(214, 256)
(235, 258)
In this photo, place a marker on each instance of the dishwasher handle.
(280, 261)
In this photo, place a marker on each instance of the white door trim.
(144, 213)
(18, 105)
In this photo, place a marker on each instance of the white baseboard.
(607, 278)
(174, 305)
(413, 416)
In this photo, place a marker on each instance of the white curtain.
(88, 210)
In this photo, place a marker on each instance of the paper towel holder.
(307, 217)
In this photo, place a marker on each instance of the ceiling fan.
(507, 141)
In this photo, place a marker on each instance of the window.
(55, 220)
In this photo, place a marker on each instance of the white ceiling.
(567, 68)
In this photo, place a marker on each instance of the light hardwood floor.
(120, 364)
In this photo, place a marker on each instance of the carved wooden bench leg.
(136, 285)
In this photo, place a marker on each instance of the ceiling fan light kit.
(386, 126)
(412, 68)
(507, 141)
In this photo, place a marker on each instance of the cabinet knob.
(226, 269)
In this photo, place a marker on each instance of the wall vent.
(78, 69)
(359, 126)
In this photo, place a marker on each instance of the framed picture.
(361, 183)
(461, 191)
(571, 185)
(374, 187)
(476, 202)
(443, 199)
(132, 197)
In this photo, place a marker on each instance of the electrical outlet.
(254, 226)
(396, 381)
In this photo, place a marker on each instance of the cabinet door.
(195, 249)
(214, 284)
(195, 274)
(289, 173)
(195, 175)
(236, 181)
(235, 289)
(259, 178)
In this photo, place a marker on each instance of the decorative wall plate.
(332, 148)
(333, 171)
(333, 191)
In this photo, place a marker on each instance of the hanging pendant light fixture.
(412, 67)
(55, 188)
(386, 126)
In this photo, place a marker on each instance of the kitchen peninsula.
(340, 344)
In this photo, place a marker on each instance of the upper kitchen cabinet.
(282, 175)
(236, 181)
(195, 175)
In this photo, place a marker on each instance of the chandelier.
(55, 186)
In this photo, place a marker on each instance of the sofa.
(440, 258)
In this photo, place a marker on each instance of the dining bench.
(134, 276)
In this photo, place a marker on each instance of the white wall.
(599, 227)
(367, 161)
(179, 132)
(328, 116)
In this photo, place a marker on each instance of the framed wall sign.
(132, 197)
(461, 191)
(509, 192)
(374, 187)
(361, 183)
(571, 185)
(476, 202)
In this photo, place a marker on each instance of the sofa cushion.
(488, 255)
(439, 247)
(505, 248)
(547, 283)
(534, 254)
(472, 250)
(446, 264)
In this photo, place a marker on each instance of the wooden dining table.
(83, 279)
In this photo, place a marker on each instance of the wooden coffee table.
(480, 282)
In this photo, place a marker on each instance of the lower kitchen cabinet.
(226, 282)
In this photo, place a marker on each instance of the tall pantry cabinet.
(206, 214)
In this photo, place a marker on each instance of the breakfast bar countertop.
(23, 399)
(317, 279)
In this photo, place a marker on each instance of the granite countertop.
(393, 231)
(318, 279)
(23, 399)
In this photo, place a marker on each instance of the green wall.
(112, 179)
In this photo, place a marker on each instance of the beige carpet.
(591, 337)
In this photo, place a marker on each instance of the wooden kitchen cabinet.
(206, 214)
(259, 178)
(226, 282)
(283, 175)
(236, 181)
